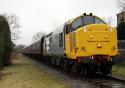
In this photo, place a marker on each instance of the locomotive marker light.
(106, 37)
(110, 29)
(91, 36)
(85, 29)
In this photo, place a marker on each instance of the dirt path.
(24, 73)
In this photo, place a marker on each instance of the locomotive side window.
(61, 39)
(77, 23)
(67, 29)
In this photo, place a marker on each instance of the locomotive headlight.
(91, 36)
(99, 45)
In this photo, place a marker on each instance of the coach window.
(77, 23)
(61, 39)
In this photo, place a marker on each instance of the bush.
(5, 42)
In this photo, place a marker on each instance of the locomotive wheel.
(106, 68)
(66, 65)
(62, 64)
(78, 68)
(83, 70)
(87, 70)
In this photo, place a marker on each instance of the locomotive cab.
(89, 36)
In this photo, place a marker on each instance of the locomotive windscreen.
(92, 20)
(83, 21)
(88, 20)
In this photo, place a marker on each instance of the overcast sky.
(46, 15)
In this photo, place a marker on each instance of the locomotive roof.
(84, 14)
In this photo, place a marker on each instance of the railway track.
(116, 79)
(96, 82)
(107, 82)
(78, 81)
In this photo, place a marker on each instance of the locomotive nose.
(101, 39)
(98, 33)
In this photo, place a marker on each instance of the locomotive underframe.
(86, 67)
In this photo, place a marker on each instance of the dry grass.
(1, 75)
(24, 74)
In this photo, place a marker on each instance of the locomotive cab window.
(77, 23)
(67, 29)
(99, 21)
(88, 20)
(92, 20)
(61, 39)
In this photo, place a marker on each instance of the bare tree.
(14, 25)
(38, 36)
(121, 4)
(108, 20)
(19, 48)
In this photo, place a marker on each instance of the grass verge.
(24, 74)
(119, 70)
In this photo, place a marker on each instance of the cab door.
(70, 37)
(67, 41)
(70, 44)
